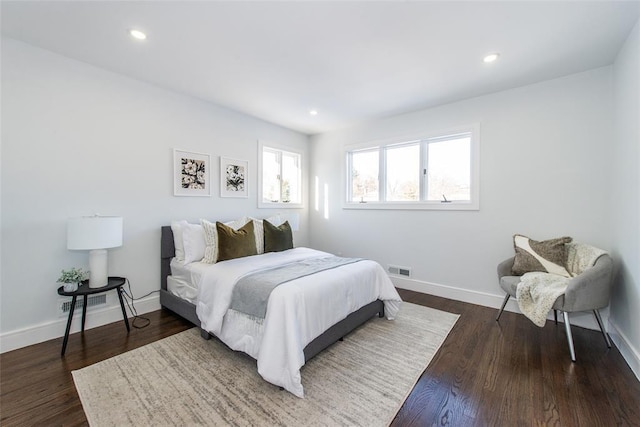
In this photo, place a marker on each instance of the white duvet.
(298, 311)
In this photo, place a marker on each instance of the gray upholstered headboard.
(167, 251)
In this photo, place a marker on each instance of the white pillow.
(211, 237)
(176, 227)
(193, 241)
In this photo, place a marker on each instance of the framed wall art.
(191, 173)
(234, 180)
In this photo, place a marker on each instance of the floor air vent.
(93, 300)
(396, 270)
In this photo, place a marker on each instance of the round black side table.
(84, 290)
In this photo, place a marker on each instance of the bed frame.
(188, 311)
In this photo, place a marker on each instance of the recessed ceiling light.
(492, 57)
(313, 112)
(137, 34)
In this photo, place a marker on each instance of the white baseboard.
(450, 292)
(630, 354)
(55, 329)
(585, 320)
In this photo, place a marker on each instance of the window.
(402, 164)
(280, 176)
(364, 176)
(448, 171)
(431, 172)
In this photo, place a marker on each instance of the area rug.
(184, 380)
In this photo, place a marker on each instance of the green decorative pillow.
(211, 238)
(235, 243)
(548, 256)
(277, 239)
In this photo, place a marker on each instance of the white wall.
(625, 201)
(545, 172)
(78, 140)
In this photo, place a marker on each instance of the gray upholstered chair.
(588, 291)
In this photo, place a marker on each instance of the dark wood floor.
(486, 373)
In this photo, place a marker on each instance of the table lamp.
(95, 234)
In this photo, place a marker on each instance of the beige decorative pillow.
(235, 243)
(548, 256)
(259, 233)
(277, 239)
(211, 238)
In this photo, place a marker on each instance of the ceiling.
(350, 61)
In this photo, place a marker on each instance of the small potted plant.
(71, 279)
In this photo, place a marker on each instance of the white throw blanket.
(537, 292)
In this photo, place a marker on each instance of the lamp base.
(98, 268)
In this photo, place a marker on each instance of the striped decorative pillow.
(548, 256)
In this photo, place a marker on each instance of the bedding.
(277, 238)
(193, 243)
(211, 235)
(252, 291)
(184, 279)
(297, 312)
(308, 313)
(210, 231)
(234, 243)
(182, 289)
(258, 228)
(176, 228)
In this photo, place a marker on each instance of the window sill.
(424, 206)
(272, 205)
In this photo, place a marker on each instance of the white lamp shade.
(94, 232)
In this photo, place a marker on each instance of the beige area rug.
(184, 380)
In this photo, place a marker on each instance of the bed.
(188, 304)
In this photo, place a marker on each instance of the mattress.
(184, 279)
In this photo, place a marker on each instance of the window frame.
(422, 139)
(279, 148)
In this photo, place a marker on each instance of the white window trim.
(279, 205)
(473, 204)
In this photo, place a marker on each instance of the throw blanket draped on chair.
(537, 292)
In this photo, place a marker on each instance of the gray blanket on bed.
(251, 293)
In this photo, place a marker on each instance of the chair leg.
(604, 333)
(555, 316)
(504, 303)
(567, 327)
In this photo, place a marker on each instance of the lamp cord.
(129, 296)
